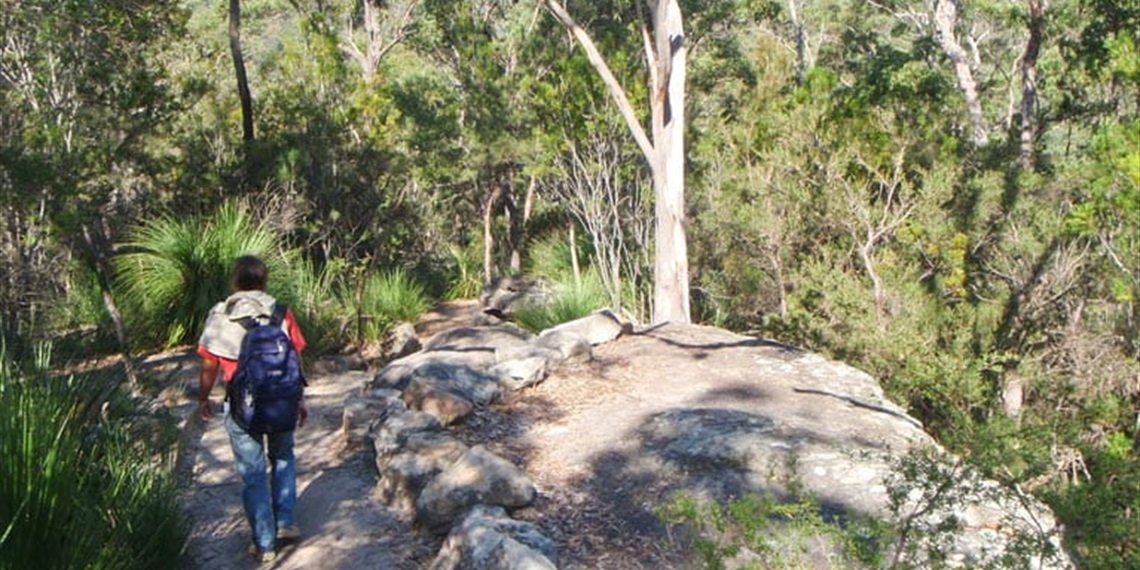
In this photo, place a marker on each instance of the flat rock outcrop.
(628, 417)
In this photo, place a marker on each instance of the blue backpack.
(265, 391)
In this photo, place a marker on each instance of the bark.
(801, 41)
(488, 235)
(96, 247)
(528, 203)
(239, 70)
(381, 33)
(1029, 83)
(514, 224)
(574, 256)
(945, 20)
(671, 267)
(375, 39)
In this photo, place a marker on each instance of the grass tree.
(383, 300)
(180, 267)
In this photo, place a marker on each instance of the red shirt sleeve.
(228, 366)
(294, 331)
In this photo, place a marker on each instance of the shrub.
(1101, 514)
(551, 257)
(386, 298)
(181, 268)
(465, 273)
(78, 490)
(759, 531)
(311, 293)
(570, 300)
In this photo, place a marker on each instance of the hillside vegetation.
(944, 194)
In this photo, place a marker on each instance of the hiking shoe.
(260, 555)
(290, 532)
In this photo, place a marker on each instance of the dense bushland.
(948, 199)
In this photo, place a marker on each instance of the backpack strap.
(278, 316)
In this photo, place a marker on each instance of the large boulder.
(478, 477)
(505, 296)
(444, 365)
(596, 328)
(488, 539)
(403, 473)
(479, 338)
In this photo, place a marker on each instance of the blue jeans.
(269, 498)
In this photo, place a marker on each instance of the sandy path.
(343, 526)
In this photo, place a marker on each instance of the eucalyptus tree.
(386, 25)
(665, 51)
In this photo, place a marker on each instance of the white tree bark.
(386, 25)
(671, 266)
(945, 19)
(1029, 82)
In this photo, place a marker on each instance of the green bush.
(551, 257)
(775, 534)
(311, 293)
(385, 299)
(465, 273)
(180, 268)
(570, 300)
(78, 490)
(1101, 514)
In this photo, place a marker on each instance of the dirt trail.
(343, 526)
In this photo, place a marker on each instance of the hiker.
(268, 499)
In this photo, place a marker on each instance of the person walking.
(269, 488)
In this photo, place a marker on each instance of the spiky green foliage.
(553, 258)
(386, 299)
(78, 490)
(465, 275)
(571, 299)
(312, 294)
(182, 267)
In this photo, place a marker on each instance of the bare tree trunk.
(671, 266)
(375, 39)
(801, 41)
(386, 25)
(945, 20)
(514, 223)
(1029, 83)
(95, 246)
(489, 236)
(877, 292)
(528, 203)
(239, 70)
(574, 256)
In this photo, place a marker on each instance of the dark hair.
(249, 274)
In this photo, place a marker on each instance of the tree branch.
(615, 88)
